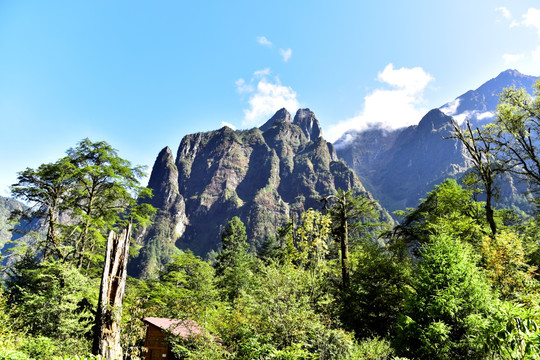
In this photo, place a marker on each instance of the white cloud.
(390, 108)
(264, 41)
(262, 73)
(512, 58)
(242, 87)
(536, 54)
(285, 54)
(411, 81)
(266, 97)
(532, 19)
(224, 123)
(504, 12)
(472, 116)
(450, 108)
(484, 115)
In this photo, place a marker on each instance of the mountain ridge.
(394, 164)
(263, 175)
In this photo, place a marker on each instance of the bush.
(374, 349)
(39, 348)
(13, 355)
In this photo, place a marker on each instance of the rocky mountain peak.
(282, 115)
(435, 120)
(164, 176)
(308, 122)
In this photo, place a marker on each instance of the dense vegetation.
(456, 279)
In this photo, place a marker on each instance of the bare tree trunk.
(345, 272)
(107, 331)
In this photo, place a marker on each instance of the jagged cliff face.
(399, 166)
(260, 175)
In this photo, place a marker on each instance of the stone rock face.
(282, 115)
(309, 124)
(260, 175)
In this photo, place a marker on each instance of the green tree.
(185, 289)
(312, 238)
(450, 305)
(234, 263)
(47, 189)
(350, 214)
(480, 147)
(447, 208)
(515, 332)
(276, 318)
(505, 259)
(379, 282)
(105, 195)
(53, 299)
(517, 131)
(81, 197)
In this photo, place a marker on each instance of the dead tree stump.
(111, 295)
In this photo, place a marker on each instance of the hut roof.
(183, 328)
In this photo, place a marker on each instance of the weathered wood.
(107, 331)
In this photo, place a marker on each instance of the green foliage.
(185, 289)
(516, 132)
(276, 317)
(202, 346)
(504, 258)
(80, 198)
(234, 264)
(13, 355)
(351, 216)
(450, 305)
(52, 299)
(39, 348)
(313, 236)
(374, 349)
(515, 332)
(8, 335)
(377, 292)
(447, 208)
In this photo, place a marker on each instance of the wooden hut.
(157, 330)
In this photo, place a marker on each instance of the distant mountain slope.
(261, 175)
(399, 166)
(7, 205)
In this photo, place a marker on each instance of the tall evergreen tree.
(450, 306)
(233, 262)
(347, 212)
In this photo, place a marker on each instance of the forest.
(456, 278)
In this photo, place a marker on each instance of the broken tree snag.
(111, 295)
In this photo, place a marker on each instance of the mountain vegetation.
(332, 279)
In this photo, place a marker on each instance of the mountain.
(399, 166)
(8, 205)
(261, 175)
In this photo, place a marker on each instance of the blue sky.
(141, 75)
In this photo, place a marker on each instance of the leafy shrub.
(374, 349)
(13, 355)
(39, 348)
